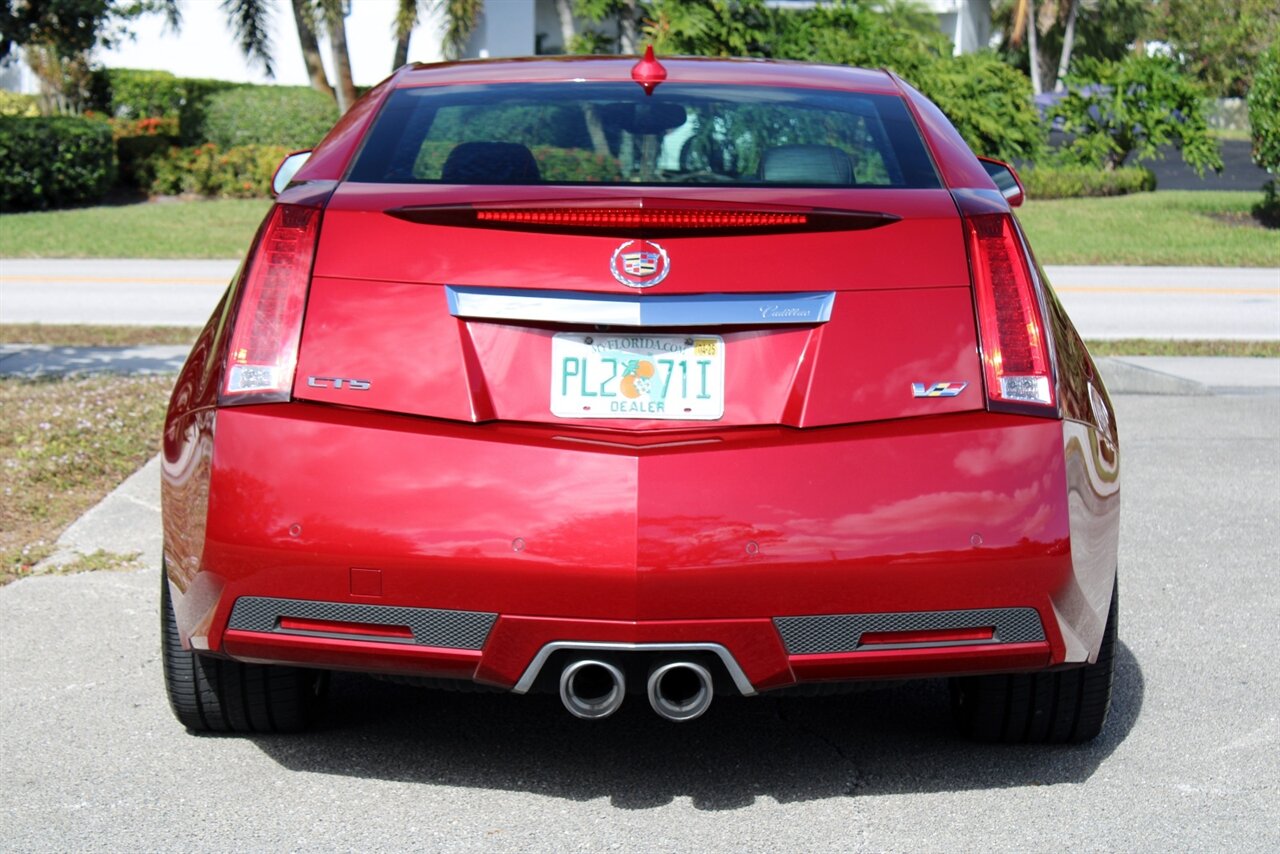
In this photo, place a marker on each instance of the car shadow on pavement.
(894, 740)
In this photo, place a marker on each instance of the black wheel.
(210, 694)
(1056, 707)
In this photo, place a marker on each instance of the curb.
(1124, 378)
(125, 522)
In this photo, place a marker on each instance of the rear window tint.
(612, 133)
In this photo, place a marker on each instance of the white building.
(206, 47)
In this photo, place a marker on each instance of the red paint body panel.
(881, 520)
(827, 487)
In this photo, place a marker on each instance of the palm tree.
(1024, 23)
(1027, 23)
(461, 17)
(304, 18)
(1068, 42)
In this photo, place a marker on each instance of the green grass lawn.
(1174, 228)
(170, 229)
(1191, 228)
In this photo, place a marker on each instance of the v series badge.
(937, 389)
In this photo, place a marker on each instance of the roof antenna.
(648, 72)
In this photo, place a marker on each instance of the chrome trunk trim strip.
(692, 310)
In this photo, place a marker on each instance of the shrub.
(1264, 120)
(51, 162)
(134, 93)
(243, 172)
(1132, 107)
(1264, 110)
(1069, 182)
(137, 140)
(989, 102)
(13, 104)
(293, 116)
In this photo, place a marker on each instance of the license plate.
(667, 377)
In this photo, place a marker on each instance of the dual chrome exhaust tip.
(678, 690)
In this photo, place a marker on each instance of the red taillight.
(1015, 352)
(268, 326)
(642, 218)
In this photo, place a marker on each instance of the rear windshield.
(612, 133)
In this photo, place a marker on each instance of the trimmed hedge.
(243, 172)
(134, 93)
(51, 162)
(1070, 182)
(293, 116)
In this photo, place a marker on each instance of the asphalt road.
(92, 759)
(1105, 302)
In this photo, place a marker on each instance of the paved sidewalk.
(35, 360)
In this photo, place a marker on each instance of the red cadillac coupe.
(657, 380)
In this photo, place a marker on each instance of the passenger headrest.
(490, 163)
(807, 164)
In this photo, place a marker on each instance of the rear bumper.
(932, 527)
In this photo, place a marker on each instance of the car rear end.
(540, 378)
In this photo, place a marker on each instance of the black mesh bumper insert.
(843, 632)
(430, 626)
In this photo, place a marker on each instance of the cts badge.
(937, 389)
(639, 264)
(339, 382)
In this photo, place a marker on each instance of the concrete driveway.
(93, 760)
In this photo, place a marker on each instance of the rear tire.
(1053, 707)
(210, 694)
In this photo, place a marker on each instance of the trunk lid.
(863, 320)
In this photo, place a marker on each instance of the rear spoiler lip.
(814, 219)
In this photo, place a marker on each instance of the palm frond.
(250, 20)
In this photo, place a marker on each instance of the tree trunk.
(335, 23)
(305, 22)
(401, 55)
(406, 20)
(568, 29)
(1032, 49)
(628, 34)
(1068, 41)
